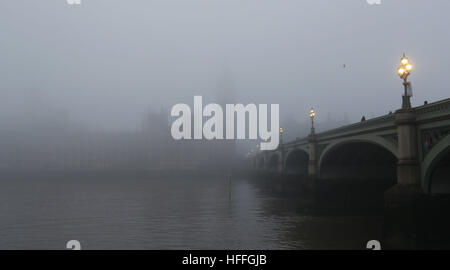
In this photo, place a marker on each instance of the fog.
(105, 64)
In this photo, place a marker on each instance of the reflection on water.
(139, 213)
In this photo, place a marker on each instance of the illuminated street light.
(281, 136)
(312, 114)
(404, 70)
(405, 59)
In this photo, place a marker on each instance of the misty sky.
(107, 62)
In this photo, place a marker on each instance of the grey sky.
(106, 62)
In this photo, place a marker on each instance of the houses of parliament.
(47, 140)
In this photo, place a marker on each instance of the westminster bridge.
(411, 145)
(403, 159)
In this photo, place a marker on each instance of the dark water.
(182, 213)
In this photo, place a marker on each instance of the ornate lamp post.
(400, 200)
(281, 135)
(404, 70)
(312, 165)
(312, 114)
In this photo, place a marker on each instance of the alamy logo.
(213, 128)
(374, 2)
(74, 2)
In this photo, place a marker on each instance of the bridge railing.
(431, 109)
(441, 106)
(389, 118)
(378, 121)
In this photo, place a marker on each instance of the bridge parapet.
(382, 122)
(363, 127)
(439, 108)
(434, 109)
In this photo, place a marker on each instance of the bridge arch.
(296, 162)
(436, 168)
(367, 157)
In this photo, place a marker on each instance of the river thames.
(132, 212)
